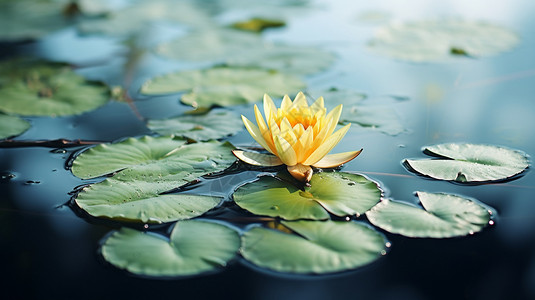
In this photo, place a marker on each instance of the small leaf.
(470, 163)
(194, 247)
(319, 247)
(223, 86)
(437, 40)
(340, 193)
(213, 125)
(258, 24)
(33, 88)
(443, 216)
(12, 126)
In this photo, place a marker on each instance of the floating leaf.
(31, 19)
(242, 49)
(285, 59)
(428, 41)
(339, 193)
(377, 117)
(121, 22)
(318, 247)
(258, 24)
(443, 216)
(141, 201)
(470, 163)
(33, 88)
(213, 125)
(223, 86)
(194, 247)
(147, 167)
(366, 114)
(215, 45)
(12, 126)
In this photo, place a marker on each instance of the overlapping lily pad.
(223, 86)
(194, 247)
(34, 88)
(147, 167)
(318, 247)
(470, 163)
(340, 193)
(214, 125)
(12, 126)
(437, 40)
(442, 216)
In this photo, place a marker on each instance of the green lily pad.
(443, 216)
(243, 49)
(194, 247)
(33, 88)
(12, 126)
(318, 247)
(213, 125)
(340, 193)
(138, 16)
(258, 24)
(216, 45)
(285, 59)
(437, 40)
(470, 163)
(365, 114)
(223, 86)
(145, 168)
(377, 117)
(153, 158)
(31, 19)
(141, 201)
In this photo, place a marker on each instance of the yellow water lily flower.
(298, 135)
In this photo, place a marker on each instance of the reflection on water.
(50, 251)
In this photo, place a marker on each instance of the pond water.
(51, 251)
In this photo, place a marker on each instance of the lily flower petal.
(285, 151)
(335, 160)
(255, 133)
(327, 146)
(257, 159)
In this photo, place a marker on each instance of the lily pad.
(142, 201)
(442, 216)
(340, 193)
(145, 168)
(285, 59)
(213, 125)
(12, 126)
(214, 45)
(153, 159)
(318, 247)
(121, 22)
(194, 247)
(258, 24)
(437, 40)
(377, 117)
(470, 163)
(223, 86)
(31, 19)
(34, 88)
